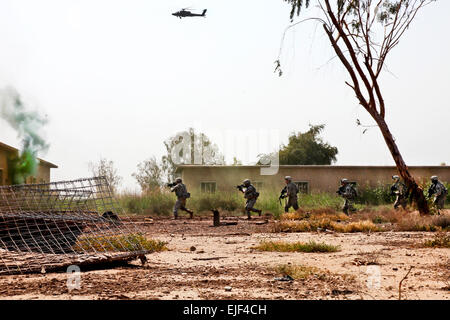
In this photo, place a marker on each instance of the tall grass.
(155, 203)
(161, 202)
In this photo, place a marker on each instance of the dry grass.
(369, 220)
(299, 271)
(325, 223)
(440, 240)
(311, 246)
(131, 242)
(382, 214)
(360, 226)
(314, 215)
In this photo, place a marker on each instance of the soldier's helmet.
(178, 180)
(434, 178)
(395, 177)
(246, 182)
(288, 178)
(344, 181)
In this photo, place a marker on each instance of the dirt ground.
(202, 260)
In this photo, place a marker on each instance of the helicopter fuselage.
(185, 13)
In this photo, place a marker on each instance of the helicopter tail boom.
(204, 12)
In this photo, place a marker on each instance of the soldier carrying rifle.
(289, 191)
(439, 191)
(348, 192)
(251, 195)
(400, 191)
(181, 192)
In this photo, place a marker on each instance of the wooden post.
(216, 218)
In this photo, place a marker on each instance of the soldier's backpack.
(354, 194)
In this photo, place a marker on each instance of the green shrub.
(375, 196)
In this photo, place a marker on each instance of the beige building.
(43, 172)
(311, 178)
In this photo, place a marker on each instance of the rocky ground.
(205, 262)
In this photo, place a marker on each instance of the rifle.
(431, 190)
(172, 184)
(240, 187)
(341, 190)
(393, 189)
(282, 195)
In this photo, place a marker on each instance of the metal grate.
(53, 225)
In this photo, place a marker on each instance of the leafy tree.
(308, 148)
(149, 174)
(362, 33)
(304, 148)
(105, 168)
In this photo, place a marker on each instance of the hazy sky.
(116, 78)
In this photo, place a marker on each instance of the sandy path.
(224, 256)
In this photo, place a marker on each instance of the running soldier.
(251, 195)
(289, 191)
(181, 192)
(439, 191)
(348, 192)
(400, 191)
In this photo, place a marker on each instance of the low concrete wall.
(319, 178)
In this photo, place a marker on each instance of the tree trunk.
(414, 189)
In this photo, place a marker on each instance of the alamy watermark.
(373, 277)
(73, 277)
(250, 146)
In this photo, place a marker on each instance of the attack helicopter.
(183, 13)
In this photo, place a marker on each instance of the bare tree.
(197, 149)
(105, 168)
(362, 34)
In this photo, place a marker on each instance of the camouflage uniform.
(182, 194)
(399, 189)
(291, 193)
(439, 191)
(251, 195)
(348, 192)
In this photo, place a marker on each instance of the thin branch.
(400, 284)
(291, 26)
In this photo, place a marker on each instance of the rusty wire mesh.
(53, 225)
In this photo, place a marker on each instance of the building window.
(258, 185)
(208, 187)
(1, 177)
(303, 186)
